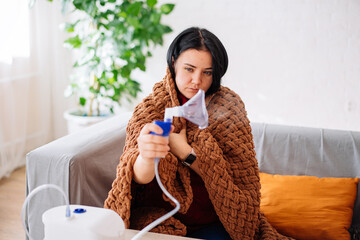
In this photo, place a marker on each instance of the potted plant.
(111, 39)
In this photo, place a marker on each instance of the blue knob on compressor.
(80, 210)
(166, 127)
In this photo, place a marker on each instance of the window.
(14, 30)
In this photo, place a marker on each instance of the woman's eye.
(188, 69)
(209, 73)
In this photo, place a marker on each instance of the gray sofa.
(84, 163)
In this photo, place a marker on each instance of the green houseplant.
(111, 39)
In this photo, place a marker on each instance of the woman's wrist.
(144, 171)
(185, 152)
(146, 162)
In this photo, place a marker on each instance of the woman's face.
(193, 71)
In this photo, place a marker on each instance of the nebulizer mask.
(193, 110)
(73, 222)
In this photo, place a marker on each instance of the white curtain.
(32, 77)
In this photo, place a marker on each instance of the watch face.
(189, 160)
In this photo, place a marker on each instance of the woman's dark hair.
(200, 39)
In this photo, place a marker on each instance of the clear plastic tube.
(35, 191)
(195, 111)
(166, 216)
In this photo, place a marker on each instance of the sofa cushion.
(306, 207)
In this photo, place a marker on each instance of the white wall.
(293, 62)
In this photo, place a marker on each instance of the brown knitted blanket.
(226, 156)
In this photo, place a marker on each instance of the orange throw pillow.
(305, 207)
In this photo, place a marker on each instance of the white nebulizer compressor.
(75, 222)
(85, 223)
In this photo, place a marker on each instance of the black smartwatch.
(190, 158)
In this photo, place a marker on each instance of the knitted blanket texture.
(226, 158)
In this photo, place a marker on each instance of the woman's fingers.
(172, 129)
(153, 151)
(178, 143)
(151, 127)
(155, 147)
(150, 138)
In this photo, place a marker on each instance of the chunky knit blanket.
(226, 157)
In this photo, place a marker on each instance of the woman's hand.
(150, 147)
(179, 145)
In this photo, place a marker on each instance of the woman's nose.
(196, 79)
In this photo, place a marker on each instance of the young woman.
(213, 172)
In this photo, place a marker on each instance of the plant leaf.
(82, 101)
(155, 17)
(151, 3)
(88, 6)
(167, 29)
(134, 8)
(75, 42)
(167, 8)
(68, 27)
(134, 22)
